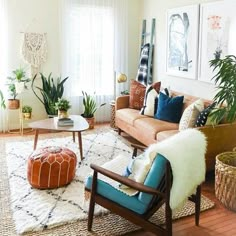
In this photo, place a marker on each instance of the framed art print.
(182, 41)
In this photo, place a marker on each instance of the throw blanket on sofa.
(186, 154)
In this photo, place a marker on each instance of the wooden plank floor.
(217, 221)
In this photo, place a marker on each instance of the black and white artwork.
(182, 41)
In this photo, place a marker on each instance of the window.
(91, 32)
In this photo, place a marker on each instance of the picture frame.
(182, 41)
(214, 37)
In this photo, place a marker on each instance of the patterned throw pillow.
(190, 115)
(150, 100)
(137, 93)
(169, 108)
(202, 118)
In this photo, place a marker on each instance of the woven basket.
(225, 179)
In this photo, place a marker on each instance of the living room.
(55, 21)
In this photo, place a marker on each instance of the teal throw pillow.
(169, 108)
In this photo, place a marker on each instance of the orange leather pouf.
(51, 167)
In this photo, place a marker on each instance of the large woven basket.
(225, 179)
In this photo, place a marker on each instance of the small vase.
(27, 116)
(62, 114)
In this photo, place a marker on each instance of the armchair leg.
(197, 205)
(90, 213)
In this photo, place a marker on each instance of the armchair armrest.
(124, 180)
(122, 102)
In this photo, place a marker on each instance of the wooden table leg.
(36, 138)
(80, 145)
(73, 133)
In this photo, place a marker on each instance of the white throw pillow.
(149, 101)
(190, 115)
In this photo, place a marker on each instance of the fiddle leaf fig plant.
(225, 81)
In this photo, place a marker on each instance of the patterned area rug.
(35, 210)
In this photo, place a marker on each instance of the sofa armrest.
(122, 102)
(220, 138)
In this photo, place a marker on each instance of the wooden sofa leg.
(119, 131)
(198, 205)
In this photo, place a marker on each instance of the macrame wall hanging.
(34, 50)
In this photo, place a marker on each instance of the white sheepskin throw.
(186, 154)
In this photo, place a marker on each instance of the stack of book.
(65, 122)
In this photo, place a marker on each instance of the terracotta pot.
(91, 122)
(13, 104)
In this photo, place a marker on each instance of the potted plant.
(225, 80)
(16, 85)
(62, 106)
(51, 90)
(26, 112)
(90, 107)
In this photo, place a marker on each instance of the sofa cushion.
(150, 126)
(190, 115)
(165, 134)
(169, 108)
(137, 93)
(128, 115)
(150, 99)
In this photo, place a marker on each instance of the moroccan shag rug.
(37, 212)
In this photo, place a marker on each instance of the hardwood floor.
(218, 221)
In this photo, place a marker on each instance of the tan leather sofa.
(148, 130)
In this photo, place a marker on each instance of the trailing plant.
(51, 90)
(62, 104)
(19, 76)
(26, 109)
(90, 105)
(225, 80)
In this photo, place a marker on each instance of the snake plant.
(90, 105)
(51, 90)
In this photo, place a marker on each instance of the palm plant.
(225, 80)
(90, 105)
(51, 90)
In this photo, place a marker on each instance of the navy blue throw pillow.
(169, 108)
(202, 118)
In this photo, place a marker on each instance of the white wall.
(157, 9)
(43, 16)
(33, 16)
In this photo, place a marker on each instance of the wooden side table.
(113, 114)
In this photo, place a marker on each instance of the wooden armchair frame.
(160, 196)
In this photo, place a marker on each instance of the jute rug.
(33, 210)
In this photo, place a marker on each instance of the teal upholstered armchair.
(155, 191)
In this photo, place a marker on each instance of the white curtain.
(94, 47)
(3, 59)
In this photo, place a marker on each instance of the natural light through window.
(92, 44)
